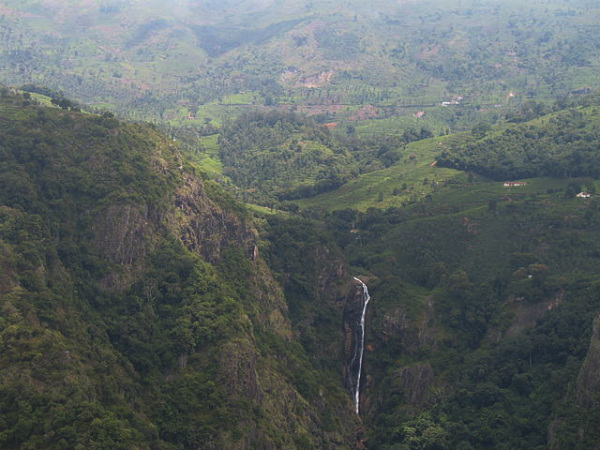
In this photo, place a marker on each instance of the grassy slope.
(414, 169)
(209, 160)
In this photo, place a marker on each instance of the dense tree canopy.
(561, 145)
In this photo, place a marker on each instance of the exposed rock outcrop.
(125, 234)
(205, 227)
(588, 381)
(582, 419)
(413, 384)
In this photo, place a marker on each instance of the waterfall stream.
(360, 344)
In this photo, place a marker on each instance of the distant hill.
(156, 61)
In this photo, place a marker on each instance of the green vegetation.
(279, 156)
(133, 315)
(496, 297)
(130, 287)
(301, 253)
(484, 294)
(410, 179)
(558, 145)
(156, 62)
(144, 305)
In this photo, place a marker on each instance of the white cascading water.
(360, 342)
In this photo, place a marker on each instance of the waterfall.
(359, 347)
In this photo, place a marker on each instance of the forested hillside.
(560, 145)
(484, 294)
(137, 312)
(481, 321)
(282, 156)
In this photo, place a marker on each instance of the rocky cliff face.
(204, 226)
(397, 330)
(411, 385)
(588, 382)
(125, 233)
(580, 418)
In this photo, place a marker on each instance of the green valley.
(199, 198)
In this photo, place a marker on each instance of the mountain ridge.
(130, 294)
